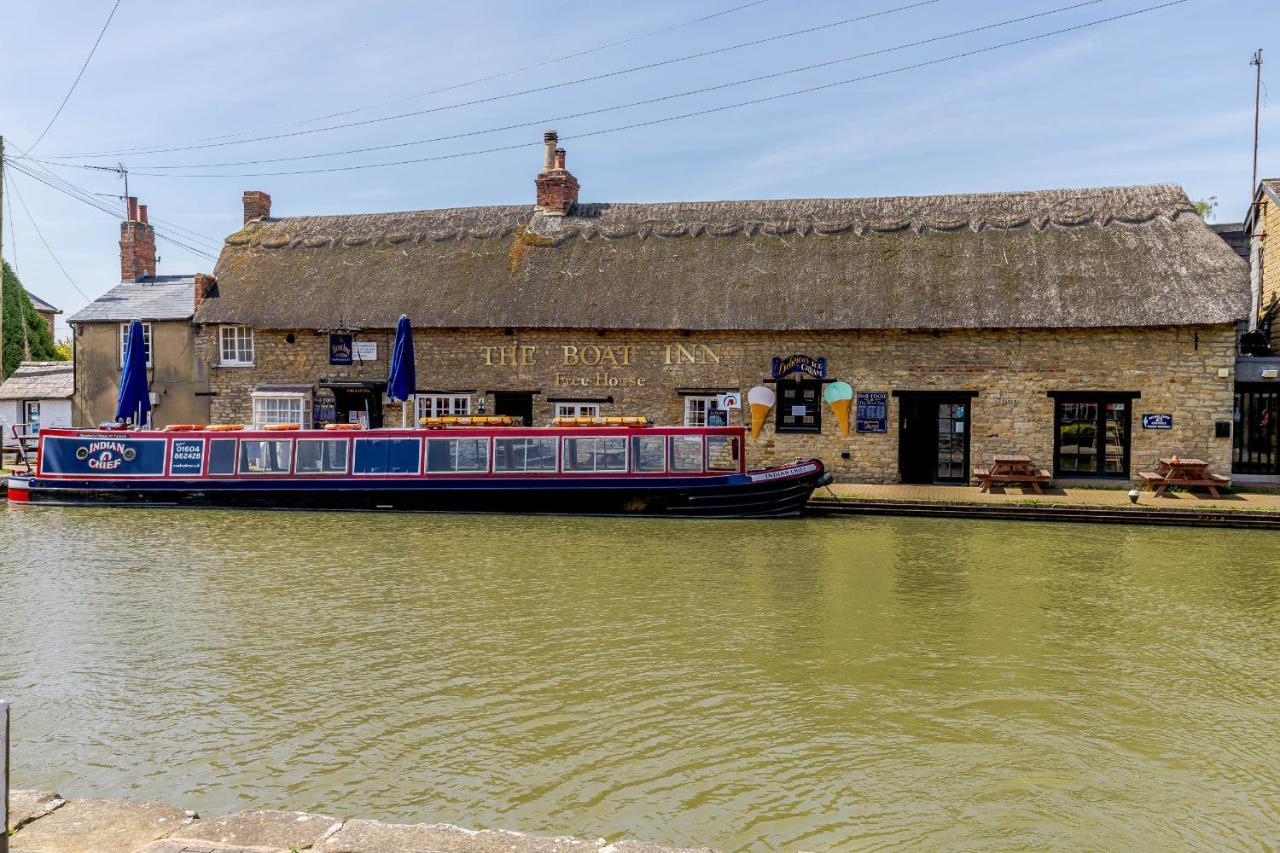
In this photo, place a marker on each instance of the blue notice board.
(873, 411)
(186, 457)
(1157, 421)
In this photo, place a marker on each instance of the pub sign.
(340, 349)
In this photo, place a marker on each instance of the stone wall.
(1265, 260)
(1187, 372)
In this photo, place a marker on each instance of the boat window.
(595, 453)
(648, 454)
(222, 456)
(322, 456)
(686, 453)
(265, 456)
(387, 456)
(524, 454)
(722, 453)
(467, 455)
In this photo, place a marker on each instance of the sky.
(1166, 96)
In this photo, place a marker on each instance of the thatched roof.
(1132, 256)
(40, 380)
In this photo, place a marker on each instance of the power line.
(47, 247)
(76, 82)
(708, 111)
(613, 108)
(506, 95)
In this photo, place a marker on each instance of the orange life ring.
(184, 427)
(283, 426)
(224, 427)
(343, 426)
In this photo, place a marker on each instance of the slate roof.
(41, 305)
(161, 297)
(1127, 256)
(40, 380)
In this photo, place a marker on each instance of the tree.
(1206, 206)
(65, 349)
(26, 335)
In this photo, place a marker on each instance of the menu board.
(873, 411)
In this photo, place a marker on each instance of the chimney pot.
(549, 141)
(142, 214)
(257, 205)
(557, 188)
(133, 208)
(559, 158)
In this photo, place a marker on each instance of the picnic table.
(1007, 468)
(1191, 473)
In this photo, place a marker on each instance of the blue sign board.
(1157, 421)
(103, 456)
(872, 411)
(815, 368)
(340, 349)
(186, 457)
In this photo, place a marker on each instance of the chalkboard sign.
(186, 457)
(339, 349)
(873, 411)
(1157, 421)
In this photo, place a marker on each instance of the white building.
(38, 394)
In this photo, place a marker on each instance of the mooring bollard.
(4, 776)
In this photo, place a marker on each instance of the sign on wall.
(1157, 421)
(729, 401)
(340, 349)
(873, 411)
(365, 350)
(186, 457)
(814, 368)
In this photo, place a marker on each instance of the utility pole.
(2, 376)
(1257, 113)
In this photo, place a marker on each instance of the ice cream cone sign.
(761, 400)
(839, 396)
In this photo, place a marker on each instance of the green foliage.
(1206, 206)
(64, 349)
(25, 333)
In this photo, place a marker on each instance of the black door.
(1256, 437)
(933, 439)
(518, 404)
(358, 405)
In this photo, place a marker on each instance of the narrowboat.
(599, 466)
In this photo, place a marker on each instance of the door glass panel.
(949, 463)
(1115, 438)
(1077, 437)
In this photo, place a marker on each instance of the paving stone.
(26, 806)
(178, 845)
(371, 836)
(100, 826)
(263, 829)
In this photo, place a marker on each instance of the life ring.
(224, 427)
(283, 426)
(343, 426)
(184, 427)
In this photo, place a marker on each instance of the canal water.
(814, 684)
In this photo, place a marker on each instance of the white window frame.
(241, 340)
(302, 399)
(696, 408)
(443, 405)
(146, 341)
(570, 409)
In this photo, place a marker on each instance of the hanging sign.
(873, 411)
(365, 350)
(339, 349)
(729, 401)
(815, 368)
(1157, 421)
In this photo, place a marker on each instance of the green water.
(815, 684)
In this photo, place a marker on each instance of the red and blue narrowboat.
(599, 466)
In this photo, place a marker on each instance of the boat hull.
(777, 492)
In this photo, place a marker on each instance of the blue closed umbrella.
(134, 400)
(403, 379)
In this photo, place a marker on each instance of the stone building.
(165, 304)
(46, 311)
(1090, 329)
(1256, 435)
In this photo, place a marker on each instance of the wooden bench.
(1160, 482)
(1034, 478)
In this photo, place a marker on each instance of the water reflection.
(816, 684)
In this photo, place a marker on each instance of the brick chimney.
(137, 244)
(257, 205)
(557, 188)
(206, 285)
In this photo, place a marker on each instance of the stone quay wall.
(1186, 372)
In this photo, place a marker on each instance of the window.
(799, 407)
(265, 456)
(222, 456)
(686, 453)
(322, 456)
(277, 408)
(31, 415)
(595, 453)
(443, 405)
(577, 410)
(702, 411)
(235, 345)
(387, 455)
(146, 341)
(524, 454)
(648, 454)
(457, 455)
(722, 453)
(1092, 436)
